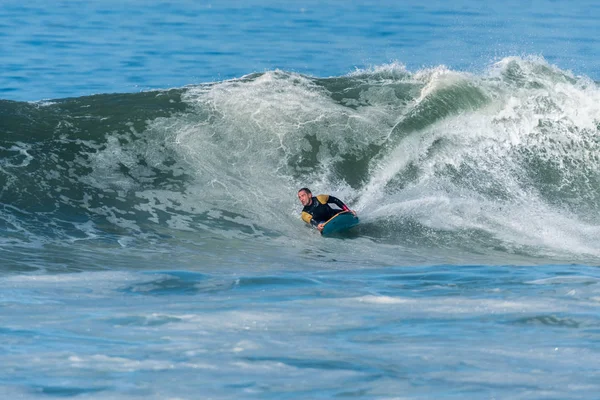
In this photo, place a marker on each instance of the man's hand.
(320, 227)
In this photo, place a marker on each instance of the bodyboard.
(339, 223)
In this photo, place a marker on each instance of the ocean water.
(150, 239)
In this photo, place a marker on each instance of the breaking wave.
(505, 163)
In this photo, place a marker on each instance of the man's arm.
(338, 203)
(306, 217)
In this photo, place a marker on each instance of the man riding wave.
(317, 210)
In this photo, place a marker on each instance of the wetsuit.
(319, 210)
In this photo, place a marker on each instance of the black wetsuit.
(319, 210)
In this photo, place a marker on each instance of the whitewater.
(151, 245)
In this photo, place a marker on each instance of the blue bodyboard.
(339, 223)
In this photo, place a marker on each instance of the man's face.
(305, 198)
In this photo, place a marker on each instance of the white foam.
(81, 278)
(490, 141)
(394, 70)
(459, 305)
(103, 362)
(566, 280)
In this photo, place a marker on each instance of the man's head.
(305, 196)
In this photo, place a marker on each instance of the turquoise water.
(150, 239)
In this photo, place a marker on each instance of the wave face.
(469, 167)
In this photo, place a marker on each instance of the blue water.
(150, 239)
(68, 49)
